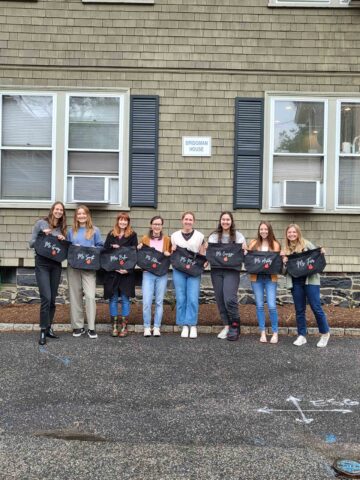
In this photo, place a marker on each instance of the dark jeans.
(311, 293)
(226, 285)
(48, 274)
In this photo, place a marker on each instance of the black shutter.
(144, 133)
(249, 126)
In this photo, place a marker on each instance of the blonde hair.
(188, 213)
(89, 223)
(299, 244)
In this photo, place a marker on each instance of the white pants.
(82, 282)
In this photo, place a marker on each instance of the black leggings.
(48, 274)
(226, 284)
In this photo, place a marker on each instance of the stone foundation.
(338, 289)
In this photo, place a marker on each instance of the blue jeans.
(311, 293)
(187, 291)
(264, 284)
(125, 305)
(153, 285)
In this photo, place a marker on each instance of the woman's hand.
(173, 248)
(167, 254)
(47, 231)
(61, 237)
(139, 247)
(114, 245)
(322, 250)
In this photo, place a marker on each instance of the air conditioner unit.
(301, 193)
(90, 189)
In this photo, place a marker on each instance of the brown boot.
(114, 322)
(123, 329)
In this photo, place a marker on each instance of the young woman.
(265, 242)
(84, 233)
(226, 281)
(120, 282)
(304, 288)
(153, 285)
(48, 272)
(187, 288)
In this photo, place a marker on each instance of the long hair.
(151, 233)
(297, 246)
(232, 231)
(116, 230)
(89, 223)
(271, 237)
(61, 223)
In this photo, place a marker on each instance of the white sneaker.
(323, 340)
(147, 332)
(223, 334)
(193, 332)
(301, 340)
(185, 331)
(156, 332)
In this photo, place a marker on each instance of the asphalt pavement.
(173, 408)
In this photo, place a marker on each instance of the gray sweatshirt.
(39, 226)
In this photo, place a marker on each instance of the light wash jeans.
(152, 285)
(187, 291)
(264, 284)
(125, 305)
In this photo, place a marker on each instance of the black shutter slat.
(144, 129)
(249, 125)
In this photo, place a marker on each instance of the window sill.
(69, 206)
(311, 211)
(140, 2)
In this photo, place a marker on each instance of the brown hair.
(188, 213)
(61, 223)
(157, 217)
(297, 246)
(89, 223)
(116, 230)
(271, 237)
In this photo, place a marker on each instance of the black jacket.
(114, 281)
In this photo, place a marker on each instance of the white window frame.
(271, 155)
(34, 93)
(310, 3)
(120, 150)
(338, 155)
(59, 133)
(139, 2)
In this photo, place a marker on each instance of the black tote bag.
(306, 263)
(123, 258)
(225, 255)
(269, 263)
(153, 261)
(84, 258)
(187, 261)
(49, 246)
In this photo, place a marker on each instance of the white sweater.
(193, 244)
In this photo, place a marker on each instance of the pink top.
(157, 243)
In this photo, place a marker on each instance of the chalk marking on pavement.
(303, 418)
(65, 360)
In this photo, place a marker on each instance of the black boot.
(50, 333)
(42, 339)
(234, 331)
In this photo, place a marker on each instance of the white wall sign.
(196, 146)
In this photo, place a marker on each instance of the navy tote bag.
(84, 258)
(306, 263)
(225, 255)
(51, 247)
(187, 261)
(269, 263)
(153, 261)
(123, 258)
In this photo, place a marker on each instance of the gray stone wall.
(337, 289)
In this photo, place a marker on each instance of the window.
(94, 150)
(310, 3)
(349, 155)
(297, 153)
(27, 147)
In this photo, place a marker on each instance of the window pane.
(94, 162)
(350, 128)
(26, 121)
(94, 123)
(298, 168)
(298, 127)
(349, 181)
(25, 175)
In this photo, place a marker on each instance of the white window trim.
(338, 155)
(271, 152)
(309, 3)
(139, 2)
(332, 154)
(59, 123)
(14, 202)
(120, 150)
